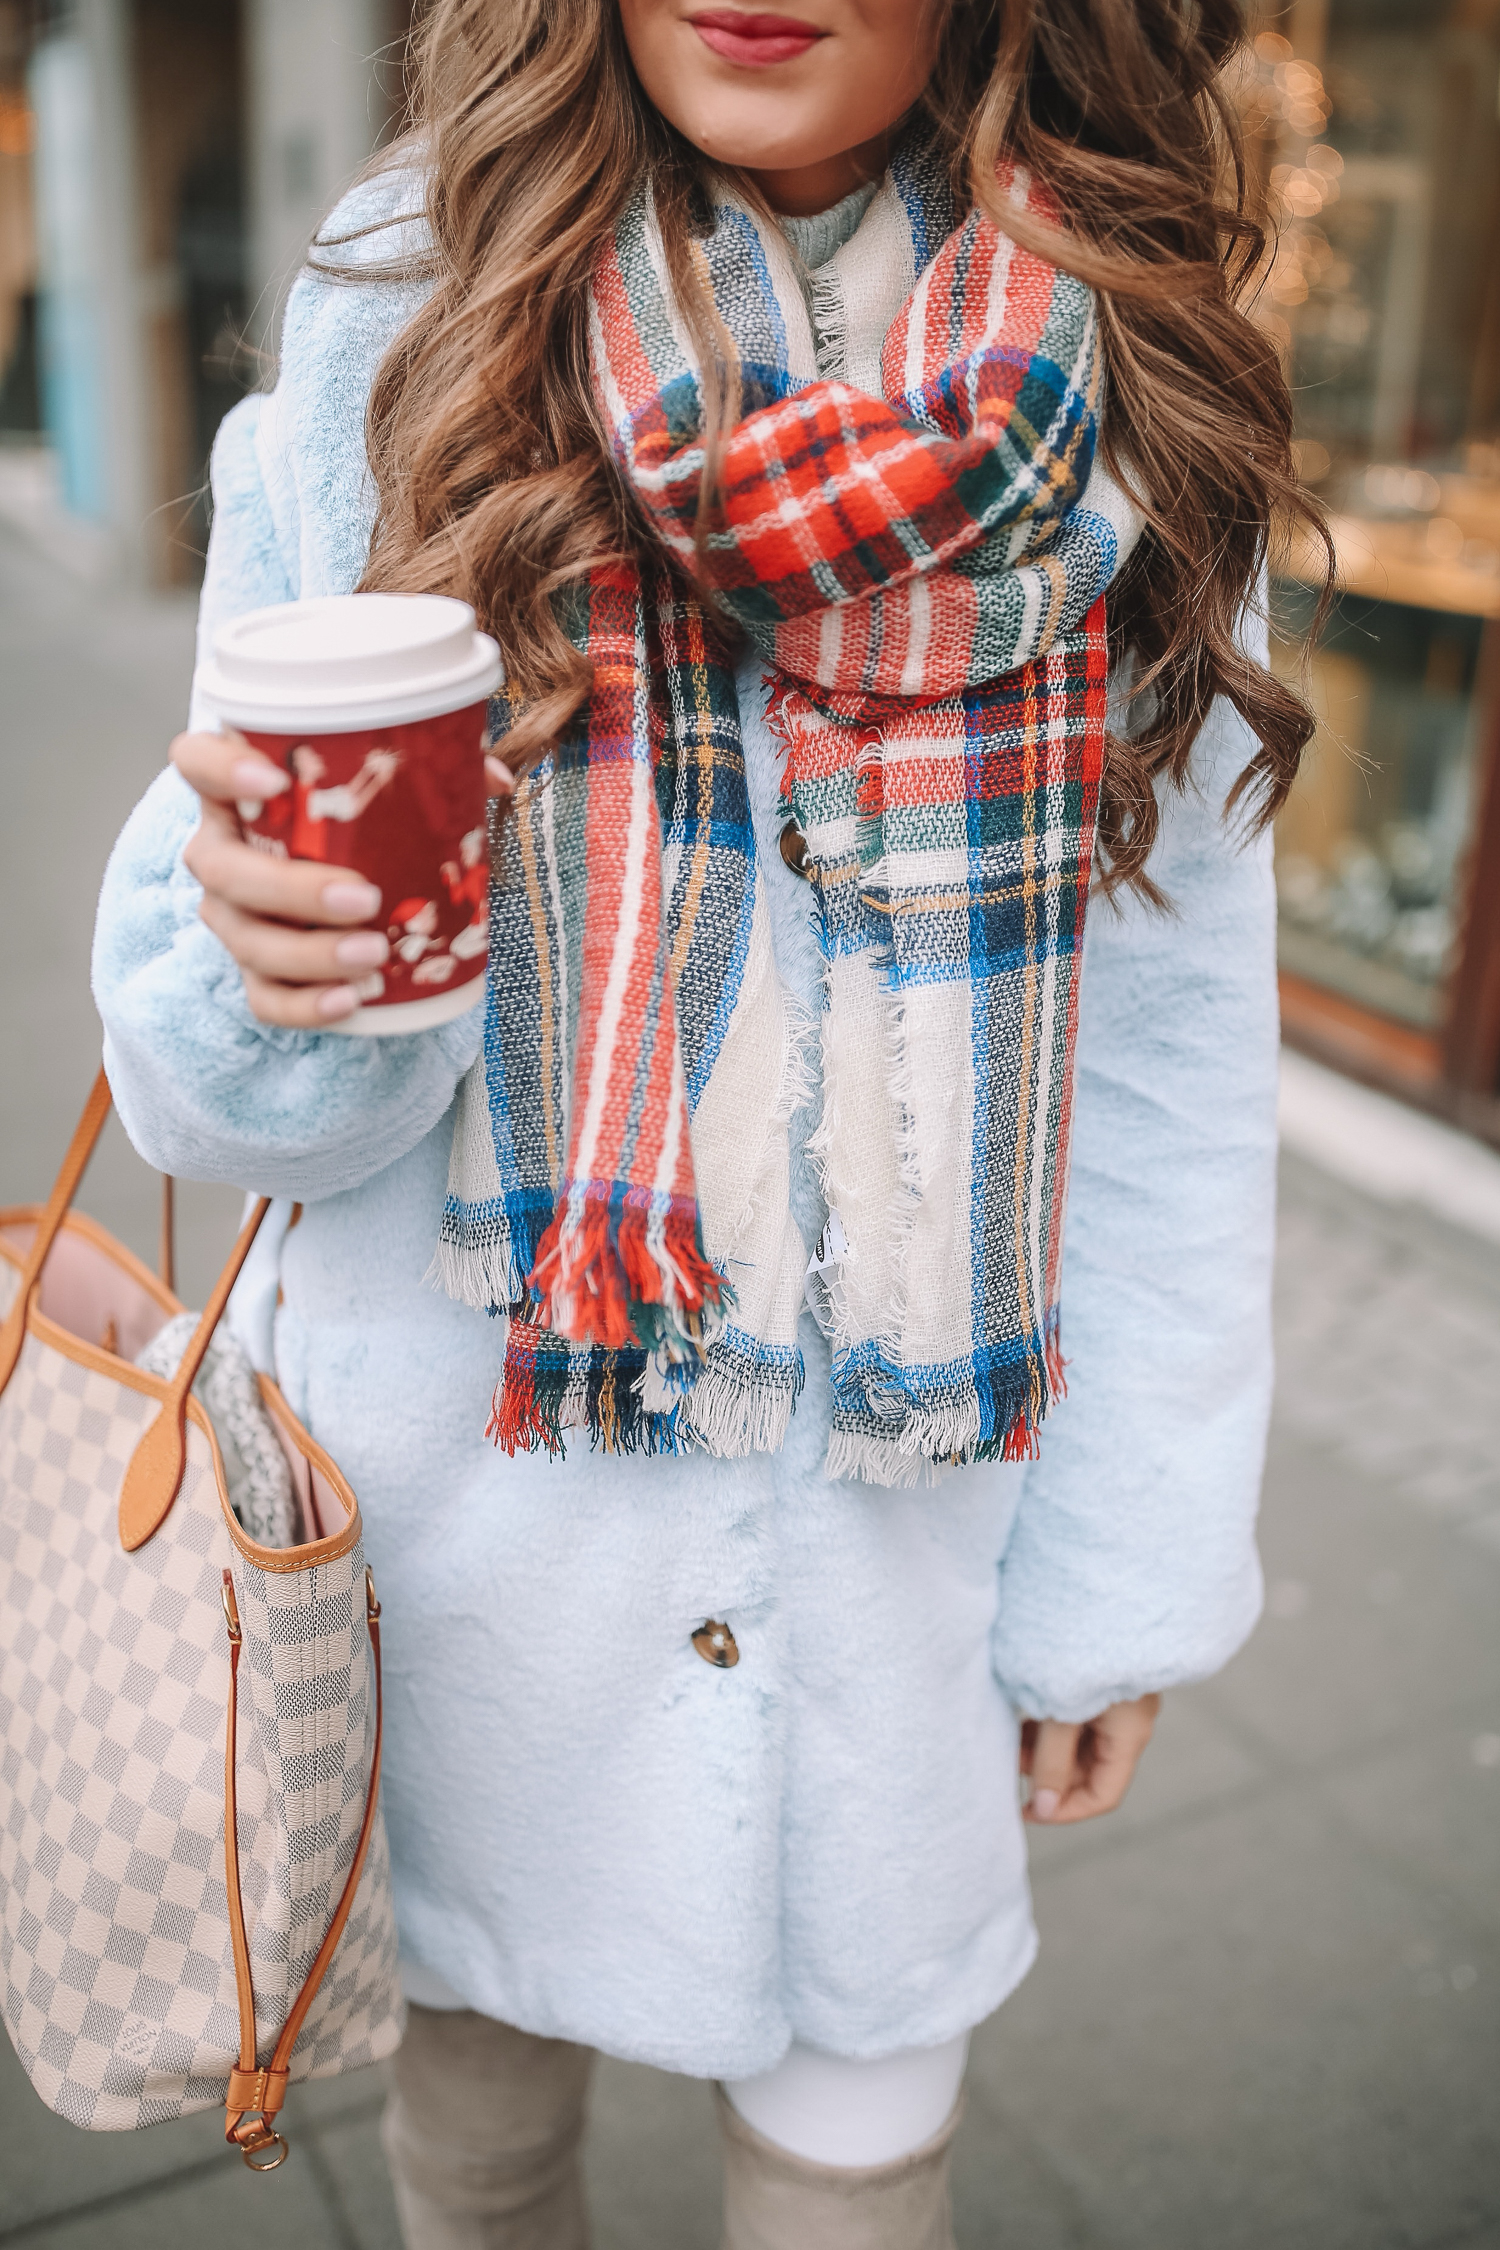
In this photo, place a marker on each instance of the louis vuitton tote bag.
(195, 1900)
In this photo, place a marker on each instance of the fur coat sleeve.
(1131, 1564)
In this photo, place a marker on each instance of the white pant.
(828, 2108)
(834, 2110)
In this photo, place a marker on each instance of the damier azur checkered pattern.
(116, 1972)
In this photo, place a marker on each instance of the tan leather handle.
(166, 1263)
(155, 1469)
(64, 1188)
(255, 2096)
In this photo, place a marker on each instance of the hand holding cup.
(299, 930)
(345, 790)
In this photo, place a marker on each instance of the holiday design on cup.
(375, 707)
(311, 807)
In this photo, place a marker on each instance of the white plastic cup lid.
(342, 661)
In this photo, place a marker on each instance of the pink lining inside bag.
(320, 1505)
(85, 1291)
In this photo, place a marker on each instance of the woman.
(702, 1734)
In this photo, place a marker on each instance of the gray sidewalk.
(1267, 2011)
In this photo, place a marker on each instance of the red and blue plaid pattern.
(924, 579)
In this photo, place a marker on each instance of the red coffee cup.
(375, 706)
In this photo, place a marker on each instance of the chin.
(774, 151)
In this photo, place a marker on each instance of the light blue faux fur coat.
(595, 1834)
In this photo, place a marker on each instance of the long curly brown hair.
(530, 130)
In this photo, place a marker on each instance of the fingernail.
(338, 1000)
(499, 773)
(353, 902)
(1045, 1803)
(257, 777)
(366, 949)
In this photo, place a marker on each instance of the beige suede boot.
(776, 2201)
(481, 2135)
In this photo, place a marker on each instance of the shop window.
(1371, 846)
(1377, 125)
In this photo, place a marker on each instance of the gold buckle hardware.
(372, 1606)
(265, 2139)
(232, 1620)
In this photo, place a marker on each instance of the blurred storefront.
(1380, 131)
(162, 163)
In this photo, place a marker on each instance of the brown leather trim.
(284, 1559)
(253, 2097)
(239, 1944)
(154, 1471)
(281, 1559)
(291, 2029)
(198, 1416)
(63, 1339)
(166, 1255)
(82, 1225)
(79, 1222)
(80, 1148)
(94, 1356)
(250, 2089)
(306, 1443)
(101, 1362)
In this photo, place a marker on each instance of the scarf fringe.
(733, 1408)
(829, 1136)
(616, 1278)
(485, 1251)
(901, 1211)
(915, 1449)
(478, 1274)
(905, 1462)
(526, 1410)
(737, 1411)
(830, 324)
(866, 1459)
(801, 1066)
(546, 1389)
(1057, 1378)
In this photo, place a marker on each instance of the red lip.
(741, 36)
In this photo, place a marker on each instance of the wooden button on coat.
(716, 1644)
(794, 852)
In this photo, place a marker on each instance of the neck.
(803, 190)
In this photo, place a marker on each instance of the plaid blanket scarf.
(914, 535)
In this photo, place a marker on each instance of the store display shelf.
(1396, 561)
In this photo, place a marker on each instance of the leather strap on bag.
(166, 1259)
(154, 1472)
(256, 2095)
(64, 1188)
